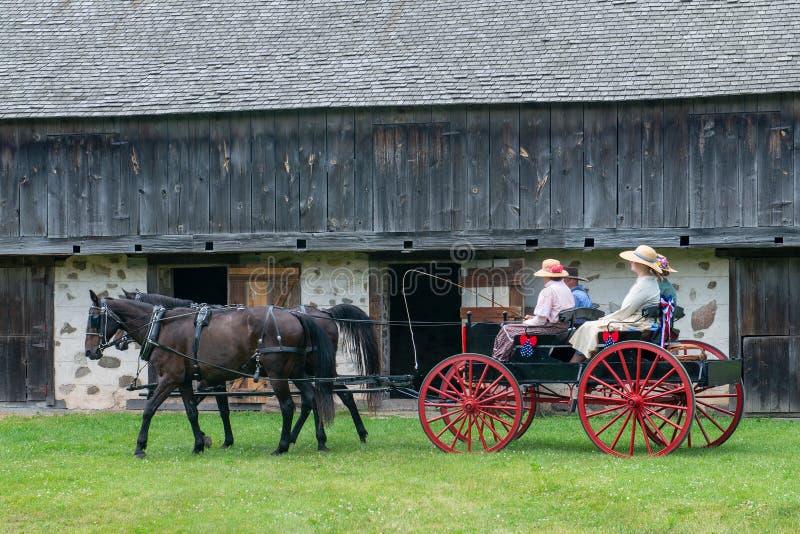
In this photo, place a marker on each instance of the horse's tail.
(325, 366)
(358, 339)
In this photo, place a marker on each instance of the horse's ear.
(128, 294)
(94, 298)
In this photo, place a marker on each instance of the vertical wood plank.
(241, 166)
(504, 167)
(363, 194)
(702, 132)
(449, 209)
(793, 119)
(340, 165)
(440, 176)
(219, 174)
(11, 155)
(126, 165)
(33, 180)
(793, 296)
(178, 190)
(748, 168)
(150, 152)
(195, 200)
(775, 180)
(264, 171)
(566, 186)
(600, 166)
(630, 166)
(313, 186)
(726, 202)
(94, 195)
(653, 165)
(76, 179)
(287, 163)
(418, 154)
(477, 205)
(534, 171)
(676, 164)
(56, 183)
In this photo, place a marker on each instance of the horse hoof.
(207, 441)
(323, 448)
(139, 454)
(277, 452)
(364, 438)
(226, 445)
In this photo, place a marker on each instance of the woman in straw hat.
(644, 292)
(553, 299)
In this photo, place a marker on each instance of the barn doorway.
(429, 300)
(26, 319)
(201, 284)
(767, 332)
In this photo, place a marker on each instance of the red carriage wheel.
(719, 409)
(636, 398)
(470, 403)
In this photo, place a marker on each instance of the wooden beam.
(408, 242)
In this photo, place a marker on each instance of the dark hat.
(572, 272)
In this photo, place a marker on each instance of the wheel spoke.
(621, 382)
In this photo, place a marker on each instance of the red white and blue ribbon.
(667, 309)
(609, 338)
(526, 345)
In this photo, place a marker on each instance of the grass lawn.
(77, 472)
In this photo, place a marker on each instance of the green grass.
(77, 472)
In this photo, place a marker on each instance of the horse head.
(102, 327)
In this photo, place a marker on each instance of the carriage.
(636, 396)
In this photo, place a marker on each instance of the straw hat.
(551, 269)
(663, 262)
(572, 272)
(644, 255)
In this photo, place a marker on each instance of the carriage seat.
(577, 316)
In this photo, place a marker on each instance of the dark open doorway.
(429, 300)
(201, 284)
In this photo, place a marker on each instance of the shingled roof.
(127, 57)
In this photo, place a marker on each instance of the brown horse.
(233, 343)
(345, 320)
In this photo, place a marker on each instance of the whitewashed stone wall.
(82, 383)
(330, 279)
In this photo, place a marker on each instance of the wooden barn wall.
(719, 163)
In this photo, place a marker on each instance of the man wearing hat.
(579, 293)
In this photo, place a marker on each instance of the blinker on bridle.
(99, 322)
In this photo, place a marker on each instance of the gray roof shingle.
(127, 57)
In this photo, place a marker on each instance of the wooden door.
(256, 285)
(768, 322)
(26, 319)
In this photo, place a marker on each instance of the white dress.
(644, 292)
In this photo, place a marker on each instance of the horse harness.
(281, 347)
(202, 320)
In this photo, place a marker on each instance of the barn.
(322, 152)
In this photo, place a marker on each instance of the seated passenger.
(553, 298)
(644, 292)
(665, 286)
(579, 293)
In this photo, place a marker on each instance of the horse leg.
(347, 400)
(281, 389)
(190, 405)
(309, 404)
(163, 389)
(305, 409)
(225, 415)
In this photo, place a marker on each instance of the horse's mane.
(160, 300)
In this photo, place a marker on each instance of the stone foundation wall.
(81, 383)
